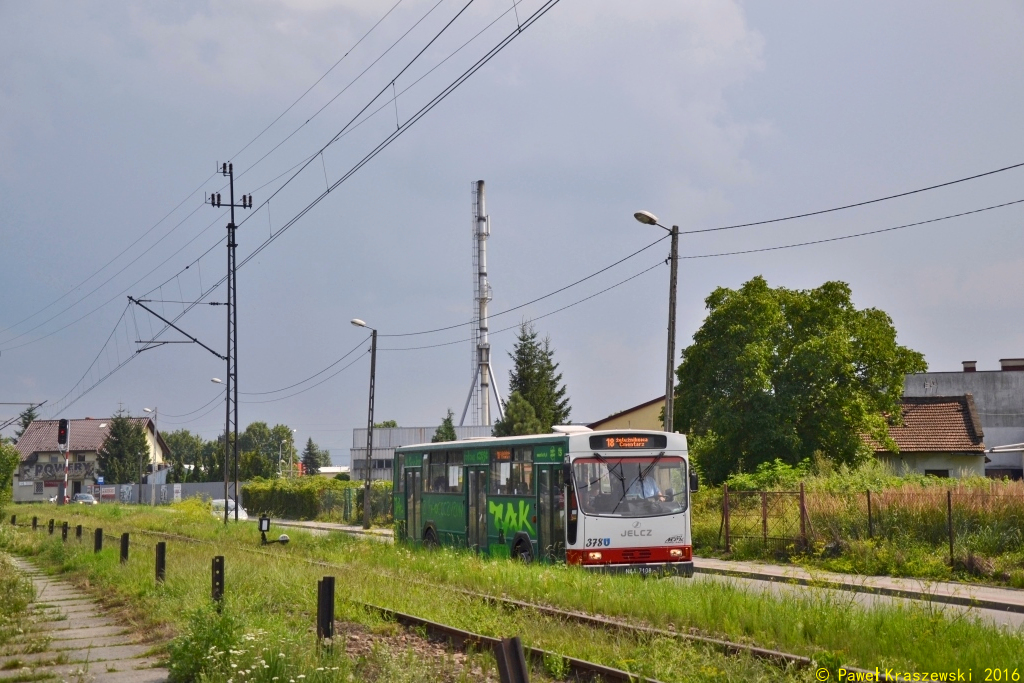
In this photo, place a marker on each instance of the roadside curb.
(911, 594)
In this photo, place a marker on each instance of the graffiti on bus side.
(511, 516)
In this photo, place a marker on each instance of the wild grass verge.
(823, 625)
(266, 624)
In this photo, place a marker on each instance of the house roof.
(596, 425)
(86, 434)
(943, 424)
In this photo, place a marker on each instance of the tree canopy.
(535, 377)
(386, 424)
(9, 460)
(446, 432)
(519, 418)
(125, 452)
(788, 375)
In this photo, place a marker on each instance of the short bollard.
(50, 526)
(512, 661)
(124, 548)
(78, 532)
(161, 561)
(217, 576)
(97, 540)
(325, 608)
(64, 532)
(35, 523)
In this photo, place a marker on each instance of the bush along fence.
(318, 498)
(963, 522)
(509, 653)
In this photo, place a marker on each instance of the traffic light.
(62, 433)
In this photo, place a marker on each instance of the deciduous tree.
(785, 374)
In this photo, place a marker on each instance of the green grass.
(274, 594)
(16, 593)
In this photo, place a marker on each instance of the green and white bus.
(606, 500)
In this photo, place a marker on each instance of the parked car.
(218, 509)
(84, 499)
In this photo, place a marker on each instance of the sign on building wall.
(42, 471)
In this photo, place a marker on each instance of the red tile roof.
(83, 435)
(937, 424)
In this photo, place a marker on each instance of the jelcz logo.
(636, 532)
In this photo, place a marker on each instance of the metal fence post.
(64, 532)
(512, 661)
(725, 513)
(14, 520)
(803, 517)
(949, 523)
(325, 608)
(78, 532)
(217, 576)
(49, 525)
(764, 517)
(124, 548)
(161, 561)
(871, 521)
(97, 540)
(35, 522)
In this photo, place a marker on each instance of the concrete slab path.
(71, 638)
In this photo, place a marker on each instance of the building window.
(39, 488)
(53, 458)
(80, 457)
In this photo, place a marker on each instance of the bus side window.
(454, 482)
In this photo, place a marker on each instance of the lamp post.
(279, 458)
(648, 218)
(369, 421)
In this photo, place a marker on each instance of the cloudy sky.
(114, 115)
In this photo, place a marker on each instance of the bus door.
(476, 529)
(413, 523)
(551, 512)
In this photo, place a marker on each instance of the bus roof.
(676, 441)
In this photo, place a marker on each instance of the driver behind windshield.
(645, 487)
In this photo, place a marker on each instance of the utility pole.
(231, 393)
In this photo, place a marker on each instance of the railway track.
(583, 670)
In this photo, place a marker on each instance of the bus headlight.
(594, 556)
(676, 553)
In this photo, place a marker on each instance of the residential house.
(41, 471)
(940, 435)
(644, 416)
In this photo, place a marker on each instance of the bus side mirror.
(566, 472)
(694, 482)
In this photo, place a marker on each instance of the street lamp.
(648, 218)
(369, 421)
(290, 451)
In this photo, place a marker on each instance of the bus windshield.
(631, 486)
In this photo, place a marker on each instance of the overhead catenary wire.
(186, 198)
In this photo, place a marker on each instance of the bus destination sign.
(620, 441)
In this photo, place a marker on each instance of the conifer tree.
(27, 417)
(125, 452)
(535, 377)
(446, 432)
(311, 457)
(519, 418)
